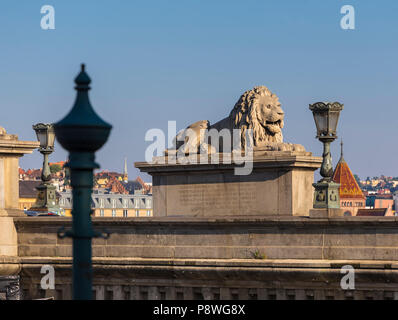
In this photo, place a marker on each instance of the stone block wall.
(350, 238)
(228, 258)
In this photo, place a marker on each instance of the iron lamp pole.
(46, 198)
(82, 132)
(326, 116)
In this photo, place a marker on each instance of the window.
(125, 213)
(101, 212)
(113, 213)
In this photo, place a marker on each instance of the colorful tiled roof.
(27, 188)
(116, 186)
(372, 212)
(349, 187)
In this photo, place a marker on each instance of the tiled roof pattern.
(349, 187)
(27, 188)
(372, 212)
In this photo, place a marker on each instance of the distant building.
(138, 186)
(395, 197)
(113, 194)
(372, 212)
(27, 193)
(394, 183)
(57, 177)
(381, 201)
(30, 174)
(351, 195)
(115, 186)
(353, 200)
(118, 182)
(107, 204)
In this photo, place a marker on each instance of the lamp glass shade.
(50, 137)
(326, 116)
(333, 120)
(42, 137)
(45, 135)
(321, 122)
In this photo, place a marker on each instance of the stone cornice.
(270, 159)
(256, 222)
(14, 146)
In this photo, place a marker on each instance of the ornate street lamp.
(326, 116)
(82, 132)
(46, 198)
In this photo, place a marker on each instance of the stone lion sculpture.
(257, 115)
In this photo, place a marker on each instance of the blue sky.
(154, 61)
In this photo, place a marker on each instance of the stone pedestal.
(10, 151)
(326, 195)
(280, 184)
(46, 200)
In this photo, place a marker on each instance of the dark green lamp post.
(46, 198)
(326, 116)
(82, 132)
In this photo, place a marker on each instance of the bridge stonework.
(223, 258)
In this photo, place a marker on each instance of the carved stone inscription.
(217, 198)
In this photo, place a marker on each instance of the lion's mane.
(244, 115)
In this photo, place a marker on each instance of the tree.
(55, 168)
(67, 177)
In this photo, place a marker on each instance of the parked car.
(30, 213)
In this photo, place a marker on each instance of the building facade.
(395, 198)
(106, 204)
(27, 193)
(382, 201)
(351, 195)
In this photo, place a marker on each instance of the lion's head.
(259, 110)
